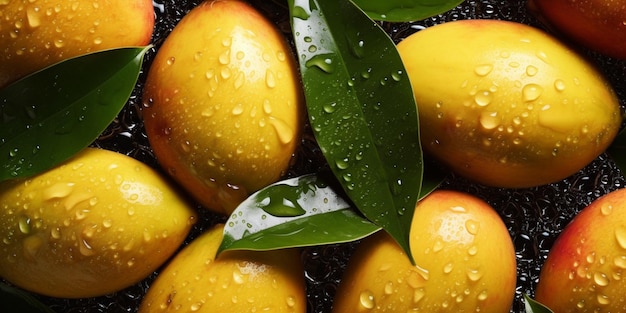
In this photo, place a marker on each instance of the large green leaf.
(50, 115)
(405, 10)
(362, 110)
(298, 212)
(17, 300)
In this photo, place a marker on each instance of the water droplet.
(437, 246)
(396, 76)
(559, 85)
(531, 92)
(620, 236)
(280, 56)
(483, 98)
(24, 224)
(224, 57)
(300, 12)
(225, 73)
(458, 209)
(240, 79)
(489, 120)
(388, 288)
(418, 295)
(473, 250)
(474, 275)
(33, 16)
(606, 209)
(237, 109)
(472, 226)
(291, 301)
(283, 130)
(600, 279)
(322, 61)
(366, 299)
(542, 56)
(85, 248)
(170, 60)
(603, 299)
(55, 233)
(448, 268)
(270, 79)
(482, 296)
(620, 261)
(58, 190)
(342, 164)
(330, 108)
(531, 70)
(483, 70)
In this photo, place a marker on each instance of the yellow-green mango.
(223, 103)
(95, 224)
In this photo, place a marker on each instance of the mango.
(36, 34)
(584, 271)
(599, 25)
(234, 281)
(465, 262)
(505, 104)
(223, 104)
(98, 223)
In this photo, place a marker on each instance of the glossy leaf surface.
(50, 115)
(362, 110)
(405, 10)
(533, 306)
(310, 212)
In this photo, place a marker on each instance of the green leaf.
(320, 216)
(362, 110)
(50, 115)
(20, 301)
(533, 306)
(617, 151)
(405, 10)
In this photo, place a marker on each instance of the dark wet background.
(534, 216)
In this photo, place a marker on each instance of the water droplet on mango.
(483, 69)
(531, 92)
(366, 299)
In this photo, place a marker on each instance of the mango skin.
(36, 34)
(223, 104)
(596, 24)
(236, 281)
(95, 224)
(506, 105)
(585, 269)
(465, 262)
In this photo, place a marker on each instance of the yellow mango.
(465, 262)
(584, 271)
(36, 34)
(506, 105)
(235, 281)
(95, 224)
(223, 103)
